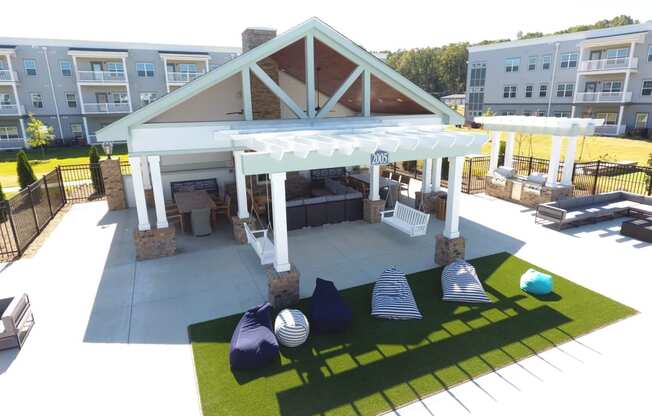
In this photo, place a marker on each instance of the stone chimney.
(265, 105)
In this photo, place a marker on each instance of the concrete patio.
(110, 334)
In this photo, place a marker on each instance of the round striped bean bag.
(291, 327)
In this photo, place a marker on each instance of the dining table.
(186, 201)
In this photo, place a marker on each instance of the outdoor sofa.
(590, 209)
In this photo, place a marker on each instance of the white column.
(240, 185)
(553, 166)
(569, 161)
(124, 67)
(147, 181)
(495, 150)
(366, 93)
(310, 74)
(246, 94)
(374, 183)
(281, 256)
(23, 133)
(436, 175)
(509, 150)
(452, 223)
(139, 193)
(620, 117)
(157, 188)
(426, 184)
(79, 91)
(86, 132)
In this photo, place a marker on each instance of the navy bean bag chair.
(253, 344)
(328, 312)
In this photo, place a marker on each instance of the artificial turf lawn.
(380, 364)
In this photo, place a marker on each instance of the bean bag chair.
(536, 282)
(460, 283)
(392, 297)
(291, 327)
(328, 312)
(253, 344)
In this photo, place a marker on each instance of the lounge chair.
(253, 344)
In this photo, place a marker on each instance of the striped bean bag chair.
(460, 283)
(392, 297)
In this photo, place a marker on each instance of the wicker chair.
(174, 216)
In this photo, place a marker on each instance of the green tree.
(3, 205)
(40, 135)
(24, 170)
(96, 174)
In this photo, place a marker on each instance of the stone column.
(569, 161)
(450, 246)
(553, 166)
(113, 186)
(371, 210)
(239, 233)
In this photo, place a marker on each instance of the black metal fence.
(82, 182)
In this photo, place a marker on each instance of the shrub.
(96, 174)
(3, 205)
(24, 170)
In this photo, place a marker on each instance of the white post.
(79, 91)
(281, 256)
(569, 161)
(246, 94)
(147, 180)
(124, 68)
(436, 175)
(509, 150)
(621, 110)
(88, 136)
(139, 193)
(452, 223)
(23, 133)
(157, 188)
(310, 74)
(426, 180)
(495, 150)
(374, 183)
(366, 93)
(240, 185)
(553, 167)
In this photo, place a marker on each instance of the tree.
(3, 205)
(24, 170)
(40, 135)
(96, 174)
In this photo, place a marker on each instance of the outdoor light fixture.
(108, 148)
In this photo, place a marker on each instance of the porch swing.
(408, 220)
(259, 239)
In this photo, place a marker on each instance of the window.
(531, 63)
(512, 64)
(115, 67)
(647, 88)
(649, 53)
(568, 60)
(37, 100)
(476, 88)
(71, 100)
(612, 86)
(641, 120)
(188, 68)
(145, 69)
(560, 114)
(508, 113)
(76, 130)
(120, 98)
(528, 91)
(509, 91)
(545, 62)
(30, 66)
(4, 99)
(8, 132)
(543, 90)
(565, 90)
(66, 68)
(609, 118)
(147, 97)
(618, 53)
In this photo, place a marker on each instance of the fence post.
(573, 175)
(649, 187)
(63, 189)
(13, 228)
(31, 201)
(529, 167)
(595, 181)
(47, 194)
(468, 183)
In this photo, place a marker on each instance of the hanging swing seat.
(408, 220)
(262, 245)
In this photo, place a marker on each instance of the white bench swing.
(406, 219)
(259, 239)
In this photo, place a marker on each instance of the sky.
(376, 25)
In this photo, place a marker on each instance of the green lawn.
(44, 163)
(380, 364)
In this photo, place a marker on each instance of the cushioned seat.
(328, 312)
(536, 282)
(460, 283)
(392, 297)
(253, 344)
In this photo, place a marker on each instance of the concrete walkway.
(110, 336)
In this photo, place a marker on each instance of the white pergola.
(571, 128)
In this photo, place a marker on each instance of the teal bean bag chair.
(536, 282)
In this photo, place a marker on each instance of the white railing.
(12, 142)
(10, 109)
(106, 107)
(7, 75)
(101, 76)
(603, 97)
(610, 64)
(609, 130)
(183, 76)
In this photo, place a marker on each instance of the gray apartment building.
(78, 87)
(604, 73)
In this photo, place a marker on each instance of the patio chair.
(222, 207)
(17, 321)
(200, 219)
(174, 216)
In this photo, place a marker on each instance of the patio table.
(187, 201)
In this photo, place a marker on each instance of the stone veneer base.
(530, 199)
(371, 210)
(448, 250)
(283, 287)
(239, 233)
(155, 243)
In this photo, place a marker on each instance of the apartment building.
(605, 73)
(78, 87)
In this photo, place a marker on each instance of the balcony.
(106, 108)
(603, 97)
(609, 65)
(8, 76)
(183, 77)
(101, 77)
(11, 110)
(610, 130)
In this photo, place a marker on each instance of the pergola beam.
(339, 93)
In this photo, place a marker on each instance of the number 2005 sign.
(379, 157)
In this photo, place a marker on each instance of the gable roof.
(119, 130)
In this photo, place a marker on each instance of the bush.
(24, 170)
(96, 174)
